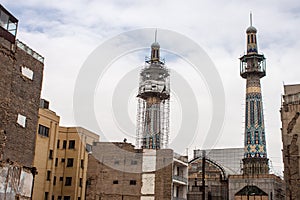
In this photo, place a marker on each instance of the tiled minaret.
(253, 68)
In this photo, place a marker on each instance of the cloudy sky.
(67, 32)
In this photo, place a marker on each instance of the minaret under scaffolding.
(253, 68)
(153, 102)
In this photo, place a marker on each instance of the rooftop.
(28, 50)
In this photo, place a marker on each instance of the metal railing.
(180, 178)
(28, 50)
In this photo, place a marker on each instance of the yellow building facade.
(61, 159)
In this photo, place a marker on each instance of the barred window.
(43, 130)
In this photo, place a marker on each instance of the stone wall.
(290, 113)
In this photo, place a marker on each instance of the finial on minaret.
(250, 18)
(155, 49)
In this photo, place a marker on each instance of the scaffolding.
(153, 103)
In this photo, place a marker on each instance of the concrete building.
(119, 171)
(45, 151)
(180, 177)
(290, 112)
(20, 88)
(61, 158)
(255, 182)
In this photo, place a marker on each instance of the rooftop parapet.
(28, 50)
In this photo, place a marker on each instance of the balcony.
(253, 64)
(180, 179)
(8, 25)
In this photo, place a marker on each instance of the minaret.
(153, 102)
(253, 68)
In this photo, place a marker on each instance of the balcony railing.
(180, 178)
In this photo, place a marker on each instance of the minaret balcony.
(254, 64)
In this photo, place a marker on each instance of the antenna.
(155, 35)
(250, 18)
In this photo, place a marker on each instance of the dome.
(251, 29)
(155, 45)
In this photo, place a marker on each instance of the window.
(57, 144)
(54, 180)
(44, 104)
(82, 164)
(21, 120)
(79, 198)
(64, 144)
(133, 162)
(115, 182)
(56, 162)
(59, 198)
(28, 73)
(48, 175)
(67, 198)
(80, 182)
(132, 182)
(63, 160)
(46, 195)
(43, 130)
(52, 197)
(68, 181)
(61, 178)
(70, 162)
(51, 154)
(72, 144)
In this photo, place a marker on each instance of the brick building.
(20, 89)
(118, 171)
(290, 112)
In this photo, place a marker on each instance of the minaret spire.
(252, 69)
(155, 53)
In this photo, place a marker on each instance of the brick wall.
(113, 162)
(19, 95)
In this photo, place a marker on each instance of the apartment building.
(61, 158)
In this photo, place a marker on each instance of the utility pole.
(203, 174)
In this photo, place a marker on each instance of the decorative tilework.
(254, 128)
